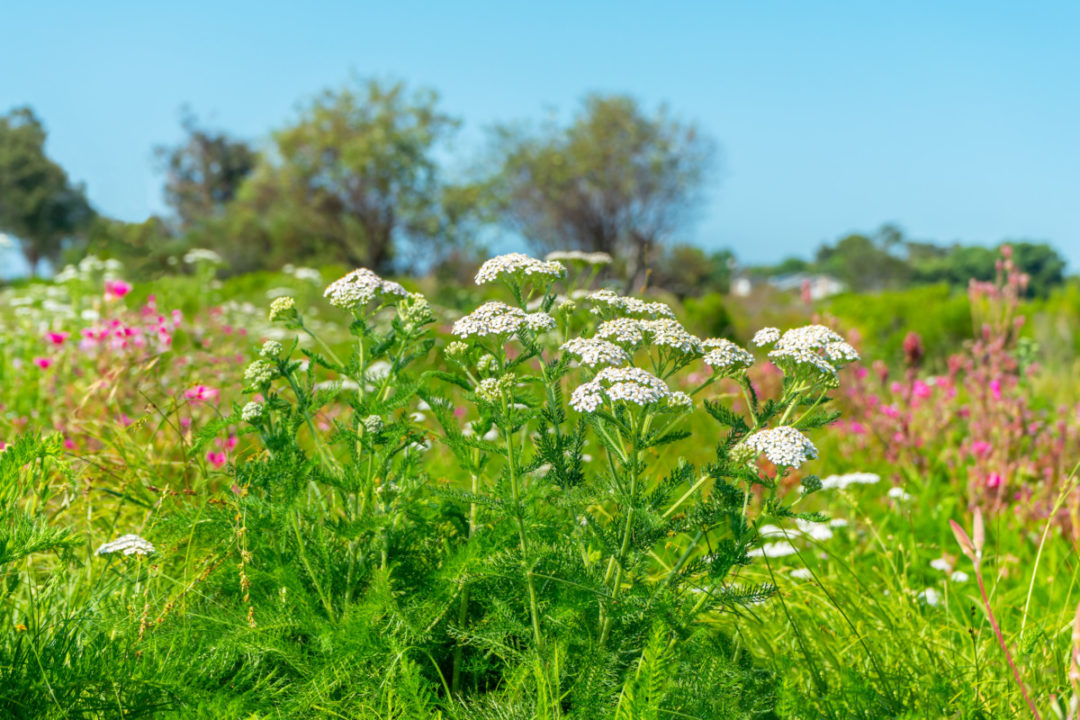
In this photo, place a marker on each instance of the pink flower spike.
(116, 289)
(230, 444)
(994, 480)
(57, 338)
(995, 388)
(921, 389)
(43, 362)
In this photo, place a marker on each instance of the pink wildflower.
(981, 448)
(201, 393)
(57, 338)
(994, 480)
(217, 459)
(43, 362)
(921, 390)
(995, 388)
(116, 289)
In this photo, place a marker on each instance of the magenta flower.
(57, 338)
(116, 289)
(995, 388)
(201, 393)
(43, 362)
(981, 448)
(994, 480)
(921, 390)
(217, 459)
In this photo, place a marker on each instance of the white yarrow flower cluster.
(497, 318)
(589, 258)
(782, 446)
(841, 482)
(259, 373)
(282, 307)
(815, 347)
(627, 384)
(518, 265)
(198, 255)
(595, 351)
(725, 356)
(773, 550)
(661, 331)
(252, 412)
(360, 287)
(270, 349)
(127, 545)
(629, 305)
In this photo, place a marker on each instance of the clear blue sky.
(957, 120)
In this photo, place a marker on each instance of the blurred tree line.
(887, 260)
(364, 175)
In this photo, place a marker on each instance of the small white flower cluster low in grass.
(630, 384)
(782, 446)
(497, 318)
(127, 545)
(202, 255)
(360, 287)
(589, 258)
(842, 482)
(517, 266)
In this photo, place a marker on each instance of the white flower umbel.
(766, 336)
(589, 258)
(625, 331)
(782, 446)
(773, 550)
(252, 412)
(198, 255)
(813, 347)
(496, 318)
(595, 352)
(628, 305)
(360, 287)
(516, 266)
(661, 332)
(127, 545)
(632, 385)
(841, 482)
(725, 356)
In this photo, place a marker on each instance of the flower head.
(57, 338)
(128, 545)
(594, 352)
(201, 393)
(725, 356)
(766, 336)
(629, 384)
(515, 266)
(252, 413)
(259, 373)
(782, 446)
(282, 308)
(628, 305)
(496, 318)
(116, 289)
(588, 258)
(360, 287)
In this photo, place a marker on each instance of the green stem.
(534, 612)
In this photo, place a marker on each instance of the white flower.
(940, 564)
(773, 550)
(625, 331)
(630, 306)
(814, 531)
(959, 577)
(259, 373)
(518, 265)
(801, 573)
(252, 412)
(681, 400)
(489, 390)
(815, 347)
(270, 349)
(629, 384)
(898, 493)
(128, 545)
(766, 336)
(594, 352)
(725, 356)
(661, 331)
(496, 318)
(930, 596)
(197, 255)
(282, 307)
(782, 446)
(590, 258)
(360, 287)
(841, 482)
(838, 523)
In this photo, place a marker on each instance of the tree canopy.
(38, 203)
(616, 179)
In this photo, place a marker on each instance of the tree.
(687, 271)
(205, 172)
(1043, 265)
(354, 180)
(38, 203)
(865, 263)
(615, 180)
